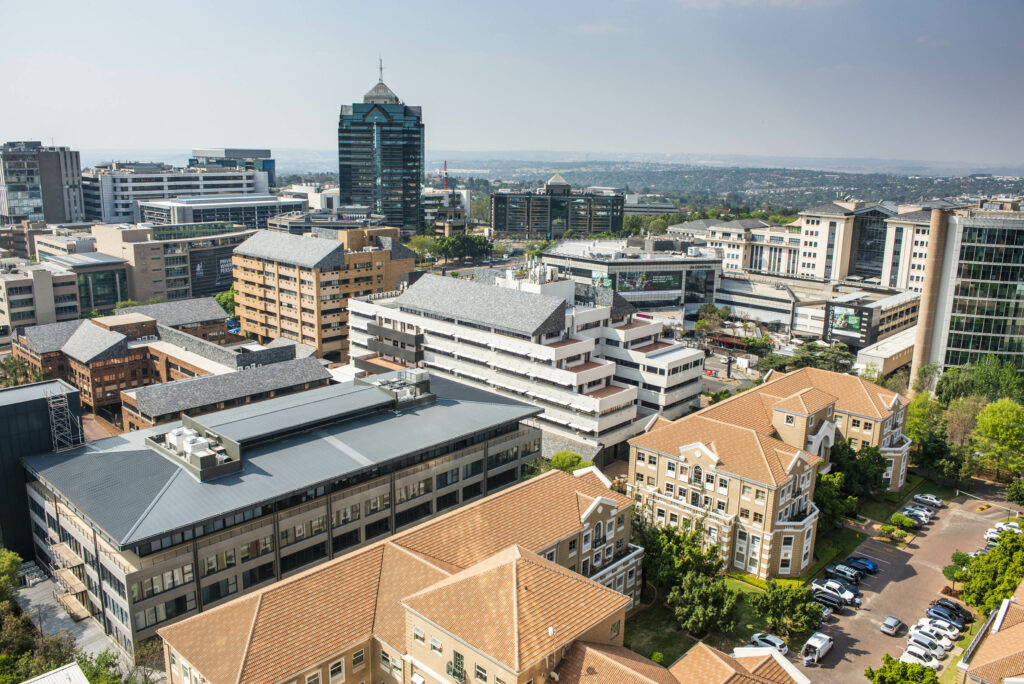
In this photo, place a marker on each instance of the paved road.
(907, 581)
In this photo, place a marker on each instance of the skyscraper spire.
(380, 69)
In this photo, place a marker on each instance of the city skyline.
(814, 78)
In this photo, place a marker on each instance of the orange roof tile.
(1000, 654)
(402, 573)
(589, 663)
(708, 665)
(518, 597)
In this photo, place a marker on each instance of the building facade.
(578, 352)
(35, 294)
(39, 183)
(298, 287)
(102, 279)
(380, 158)
(175, 261)
(112, 191)
(225, 504)
(250, 210)
(746, 466)
(300, 223)
(445, 211)
(550, 212)
(235, 158)
(971, 299)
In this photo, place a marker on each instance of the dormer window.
(790, 420)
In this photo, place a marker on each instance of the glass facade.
(102, 289)
(21, 189)
(870, 230)
(987, 315)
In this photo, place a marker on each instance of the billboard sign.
(847, 321)
(649, 281)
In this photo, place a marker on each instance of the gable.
(376, 115)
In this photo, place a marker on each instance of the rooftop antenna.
(445, 174)
(380, 69)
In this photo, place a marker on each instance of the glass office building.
(380, 158)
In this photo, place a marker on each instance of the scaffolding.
(65, 427)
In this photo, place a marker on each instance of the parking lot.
(906, 582)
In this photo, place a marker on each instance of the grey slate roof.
(308, 252)
(749, 223)
(50, 337)
(397, 249)
(91, 342)
(301, 350)
(698, 226)
(180, 312)
(923, 216)
(155, 496)
(525, 313)
(204, 390)
(830, 209)
(603, 296)
(83, 259)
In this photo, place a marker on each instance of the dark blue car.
(861, 563)
(943, 613)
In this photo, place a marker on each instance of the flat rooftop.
(618, 251)
(37, 390)
(156, 496)
(85, 259)
(220, 200)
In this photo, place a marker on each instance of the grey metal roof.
(525, 313)
(180, 312)
(91, 342)
(69, 674)
(85, 259)
(923, 216)
(397, 249)
(155, 496)
(50, 337)
(698, 226)
(830, 209)
(381, 94)
(34, 391)
(190, 393)
(603, 296)
(301, 350)
(308, 252)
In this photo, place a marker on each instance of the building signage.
(648, 281)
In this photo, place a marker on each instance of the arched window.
(598, 531)
(698, 476)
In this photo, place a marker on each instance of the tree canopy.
(998, 437)
(893, 671)
(786, 608)
(15, 371)
(991, 577)
(227, 300)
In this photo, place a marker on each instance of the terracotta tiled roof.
(853, 393)
(589, 663)
(402, 572)
(217, 645)
(533, 514)
(1000, 654)
(708, 665)
(807, 401)
(518, 596)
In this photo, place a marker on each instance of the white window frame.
(436, 646)
(419, 635)
(336, 678)
(313, 678)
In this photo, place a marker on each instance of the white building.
(113, 190)
(321, 198)
(578, 351)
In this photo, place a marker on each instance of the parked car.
(1003, 526)
(943, 613)
(862, 564)
(929, 500)
(844, 572)
(944, 641)
(826, 613)
(916, 656)
(927, 510)
(992, 535)
(927, 644)
(916, 515)
(769, 641)
(816, 647)
(830, 600)
(840, 589)
(891, 625)
(941, 626)
(954, 606)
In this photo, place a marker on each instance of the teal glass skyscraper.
(380, 157)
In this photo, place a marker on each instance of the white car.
(769, 641)
(942, 626)
(1003, 526)
(920, 510)
(942, 640)
(916, 656)
(927, 644)
(929, 500)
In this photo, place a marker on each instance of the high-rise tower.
(380, 157)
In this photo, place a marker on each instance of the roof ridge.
(376, 588)
(598, 650)
(248, 642)
(423, 558)
(153, 503)
(516, 652)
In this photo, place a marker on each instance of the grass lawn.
(948, 675)
(833, 547)
(654, 629)
(881, 509)
(746, 622)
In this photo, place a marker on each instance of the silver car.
(891, 625)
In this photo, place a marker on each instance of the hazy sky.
(910, 79)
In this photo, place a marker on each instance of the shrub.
(902, 521)
(887, 530)
(657, 657)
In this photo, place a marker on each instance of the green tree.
(568, 461)
(95, 313)
(424, 246)
(956, 570)
(10, 561)
(786, 609)
(703, 603)
(998, 438)
(227, 300)
(962, 417)
(773, 362)
(902, 521)
(926, 376)
(124, 304)
(924, 417)
(102, 668)
(832, 501)
(994, 576)
(893, 671)
(1015, 491)
(15, 371)
(864, 471)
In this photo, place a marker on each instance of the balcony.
(599, 542)
(456, 672)
(407, 355)
(64, 557)
(628, 556)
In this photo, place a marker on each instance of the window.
(357, 658)
(631, 576)
(640, 458)
(747, 490)
(868, 426)
(550, 555)
(337, 672)
(710, 479)
(620, 522)
(758, 518)
(652, 460)
(670, 488)
(745, 513)
(435, 646)
(790, 420)
(615, 629)
(759, 495)
(784, 564)
(855, 422)
(313, 678)
(810, 421)
(721, 506)
(481, 674)
(670, 468)
(418, 635)
(572, 547)
(650, 480)
(787, 541)
(673, 519)
(385, 661)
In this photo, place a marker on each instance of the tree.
(1015, 491)
(836, 358)
(989, 377)
(786, 608)
(424, 245)
(102, 668)
(924, 417)
(962, 417)
(994, 576)
(955, 571)
(124, 304)
(998, 438)
(15, 371)
(568, 461)
(9, 564)
(926, 376)
(864, 471)
(227, 300)
(773, 362)
(902, 521)
(95, 313)
(893, 671)
(149, 662)
(702, 603)
(832, 502)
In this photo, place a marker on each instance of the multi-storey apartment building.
(298, 287)
(380, 157)
(39, 183)
(35, 294)
(111, 191)
(250, 210)
(971, 304)
(235, 158)
(756, 245)
(746, 466)
(548, 213)
(647, 272)
(155, 525)
(577, 351)
(173, 262)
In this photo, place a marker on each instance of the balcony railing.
(456, 672)
(599, 542)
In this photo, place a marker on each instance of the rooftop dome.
(381, 94)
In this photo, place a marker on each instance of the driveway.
(907, 581)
